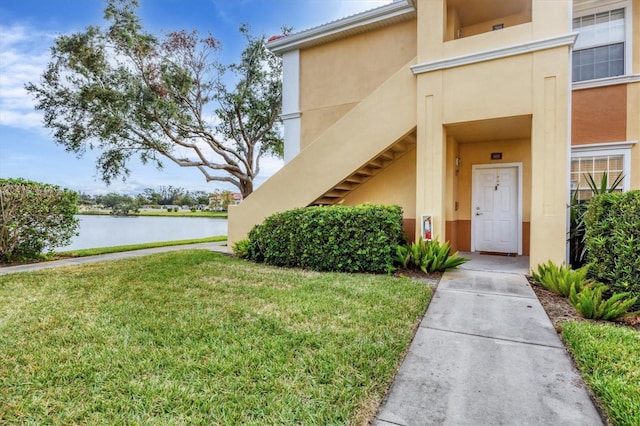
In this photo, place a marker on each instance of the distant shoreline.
(159, 213)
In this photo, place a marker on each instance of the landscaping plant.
(428, 256)
(561, 279)
(613, 241)
(34, 217)
(242, 249)
(340, 238)
(577, 211)
(590, 304)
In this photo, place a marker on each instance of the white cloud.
(268, 167)
(323, 11)
(24, 119)
(23, 57)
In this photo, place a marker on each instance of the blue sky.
(28, 28)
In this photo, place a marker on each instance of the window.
(597, 163)
(599, 51)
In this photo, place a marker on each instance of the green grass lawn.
(130, 247)
(608, 357)
(197, 337)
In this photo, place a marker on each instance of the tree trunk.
(246, 188)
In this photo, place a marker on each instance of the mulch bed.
(559, 309)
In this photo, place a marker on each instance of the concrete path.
(216, 246)
(486, 353)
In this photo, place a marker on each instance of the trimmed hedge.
(613, 241)
(34, 216)
(336, 238)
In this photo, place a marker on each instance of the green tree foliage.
(120, 204)
(221, 200)
(86, 199)
(125, 92)
(113, 199)
(35, 217)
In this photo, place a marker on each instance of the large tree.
(125, 92)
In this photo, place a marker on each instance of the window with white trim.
(601, 48)
(596, 163)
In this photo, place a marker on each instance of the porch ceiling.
(506, 128)
(473, 12)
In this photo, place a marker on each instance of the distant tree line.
(163, 196)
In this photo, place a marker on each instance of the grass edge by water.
(131, 247)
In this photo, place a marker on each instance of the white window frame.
(607, 149)
(604, 6)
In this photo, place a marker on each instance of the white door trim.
(518, 166)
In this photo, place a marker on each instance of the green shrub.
(560, 279)
(428, 256)
(613, 241)
(589, 303)
(242, 249)
(577, 212)
(337, 238)
(34, 217)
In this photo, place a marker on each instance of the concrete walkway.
(216, 246)
(486, 353)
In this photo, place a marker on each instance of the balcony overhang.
(498, 53)
(380, 17)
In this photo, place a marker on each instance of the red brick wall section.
(599, 115)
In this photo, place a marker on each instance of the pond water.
(107, 231)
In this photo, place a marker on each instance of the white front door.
(494, 212)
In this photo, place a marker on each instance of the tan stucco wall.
(636, 35)
(358, 96)
(335, 76)
(534, 83)
(505, 90)
(384, 117)
(394, 185)
(550, 156)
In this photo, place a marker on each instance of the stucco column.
(550, 146)
(431, 153)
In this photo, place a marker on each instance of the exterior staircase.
(367, 171)
(367, 139)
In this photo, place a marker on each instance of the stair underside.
(367, 171)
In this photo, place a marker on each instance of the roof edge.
(360, 22)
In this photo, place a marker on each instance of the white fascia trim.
(290, 116)
(377, 15)
(502, 52)
(603, 146)
(609, 81)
